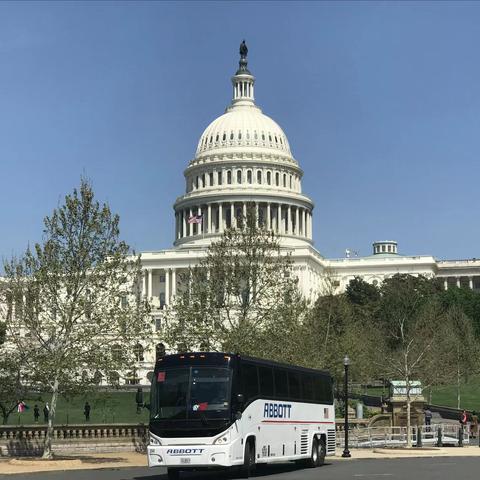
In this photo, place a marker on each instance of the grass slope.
(106, 407)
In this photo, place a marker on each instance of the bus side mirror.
(240, 399)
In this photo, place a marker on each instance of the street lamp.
(346, 451)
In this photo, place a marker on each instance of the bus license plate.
(185, 460)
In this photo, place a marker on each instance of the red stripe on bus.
(292, 421)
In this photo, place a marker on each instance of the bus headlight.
(222, 439)
(154, 440)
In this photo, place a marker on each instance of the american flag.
(195, 218)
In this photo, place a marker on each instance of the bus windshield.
(190, 393)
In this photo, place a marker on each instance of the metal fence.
(433, 435)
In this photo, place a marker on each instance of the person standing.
(86, 411)
(36, 413)
(428, 418)
(463, 417)
(46, 412)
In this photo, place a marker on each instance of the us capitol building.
(243, 159)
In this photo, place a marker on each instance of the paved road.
(439, 468)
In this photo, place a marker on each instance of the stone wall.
(73, 439)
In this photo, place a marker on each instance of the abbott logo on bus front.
(276, 410)
(185, 451)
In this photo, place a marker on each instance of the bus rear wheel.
(314, 460)
(173, 473)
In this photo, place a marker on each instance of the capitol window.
(219, 178)
(239, 135)
(256, 135)
(259, 176)
(211, 179)
(224, 136)
(269, 178)
(216, 138)
(239, 176)
(231, 135)
(249, 176)
(285, 180)
(263, 136)
(277, 179)
(229, 177)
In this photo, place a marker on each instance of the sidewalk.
(361, 453)
(71, 462)
(131, 459)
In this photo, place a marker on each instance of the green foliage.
(467, 300)
(360, 292)
(65, 296)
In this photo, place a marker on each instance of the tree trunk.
(47, 447)
(409, 426)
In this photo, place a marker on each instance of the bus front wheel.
(248, 467)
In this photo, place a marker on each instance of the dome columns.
(211, 219)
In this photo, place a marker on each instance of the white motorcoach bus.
(212, 410)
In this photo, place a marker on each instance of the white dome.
(243, 126)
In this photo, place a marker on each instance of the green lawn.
(106, 407)
(447, 395)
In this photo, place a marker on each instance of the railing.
(432, 435)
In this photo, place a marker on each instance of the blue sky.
(380, 102)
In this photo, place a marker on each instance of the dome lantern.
(243, 80)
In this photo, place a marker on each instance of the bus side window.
(308, 388)
(265, 376)
(294, 385)
(318, 390)
(281, 383)
(249, 382)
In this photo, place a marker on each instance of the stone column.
(209, 213)
(167, 286)
(220, 218)
(470, 283)
(289, 222)
(445, 284)
(184, 224)
(458, 282)
(149, 283)
(279, 219)
(144, 284)
(174, 282)
(304, 215)
(190, 225)
(297, 220)
(269, 219)
(200, 225)
(232, 215)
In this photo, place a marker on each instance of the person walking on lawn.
(46, 412)
(36, 413)
(86, 411)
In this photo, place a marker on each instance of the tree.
(331, 330)
(242, 288)
(467, 300)
(360, 292)
(66, 297)
(419, 335)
